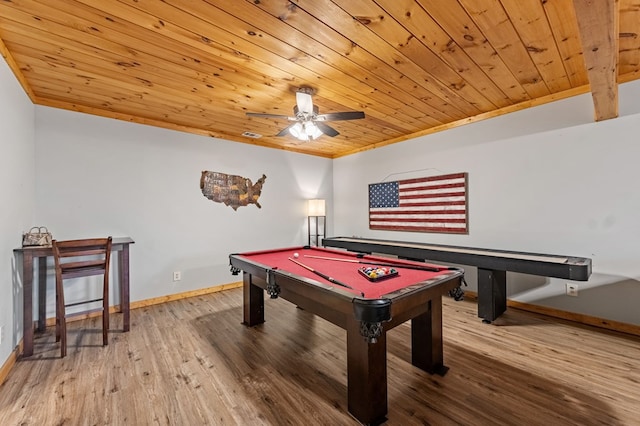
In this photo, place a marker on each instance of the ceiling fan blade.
(258, 114)
(285, 131)
(304, 102)
(326, 129)
(337, 116)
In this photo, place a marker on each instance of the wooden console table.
(27, 256)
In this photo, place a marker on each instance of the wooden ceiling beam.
(599, 22)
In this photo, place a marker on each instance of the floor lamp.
(316, 221)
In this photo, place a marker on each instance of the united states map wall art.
(232, 190)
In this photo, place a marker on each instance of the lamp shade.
(316, 207)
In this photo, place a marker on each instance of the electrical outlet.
(177, 275)
(1, 333)
(572, 289)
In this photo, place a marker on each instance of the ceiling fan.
(309, 124)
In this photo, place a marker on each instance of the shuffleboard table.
(492, 265)
(334, 285)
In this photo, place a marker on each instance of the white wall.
(98, 176)
(17, 192)
(545, 180)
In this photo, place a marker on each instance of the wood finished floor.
(191, 362)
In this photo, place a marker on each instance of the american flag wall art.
(429, 204)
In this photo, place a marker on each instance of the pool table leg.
(366, 376)
(253, 307)
(426, 339)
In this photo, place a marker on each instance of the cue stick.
(325, 276)
(396, 265)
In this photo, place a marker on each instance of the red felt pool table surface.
(343, 266)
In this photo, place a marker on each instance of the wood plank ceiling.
(413, 66)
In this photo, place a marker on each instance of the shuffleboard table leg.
(492, 294)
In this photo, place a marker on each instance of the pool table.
(329, 283)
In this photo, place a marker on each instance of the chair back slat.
(82, 252)
(84, 268)
(83, 264)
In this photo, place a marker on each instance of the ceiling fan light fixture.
(305, 131)
(312, 131)
(297, 131)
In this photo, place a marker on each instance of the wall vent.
(252, 135)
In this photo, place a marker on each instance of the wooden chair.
(80, 258)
